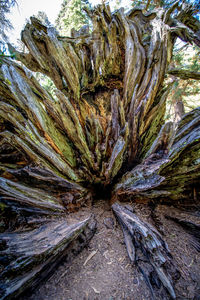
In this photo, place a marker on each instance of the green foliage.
(5, 6)
(185, 56)
(4, 51)
(71, 16)
(152, 4)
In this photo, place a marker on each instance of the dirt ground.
(102, 271)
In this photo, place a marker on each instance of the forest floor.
(102, 271)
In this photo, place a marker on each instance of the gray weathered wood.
(104, 127)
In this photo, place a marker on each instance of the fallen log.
(28, 256)
(148, 251)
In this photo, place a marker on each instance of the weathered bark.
(105, 128)
(29, 256)
(190, 223)
(185, 74)
(145, 246)
(171, 168)
(179, 110)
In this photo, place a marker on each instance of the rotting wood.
(31, 255)
(145, 246)
(104, 128)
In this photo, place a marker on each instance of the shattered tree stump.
(103, 130)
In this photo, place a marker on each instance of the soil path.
(102, 271)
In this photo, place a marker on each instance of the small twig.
(90, 256)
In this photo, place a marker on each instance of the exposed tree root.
(148, 251)
(30, 255)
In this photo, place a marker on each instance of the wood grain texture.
(104, 127)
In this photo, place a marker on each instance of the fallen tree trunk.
(103, 131)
